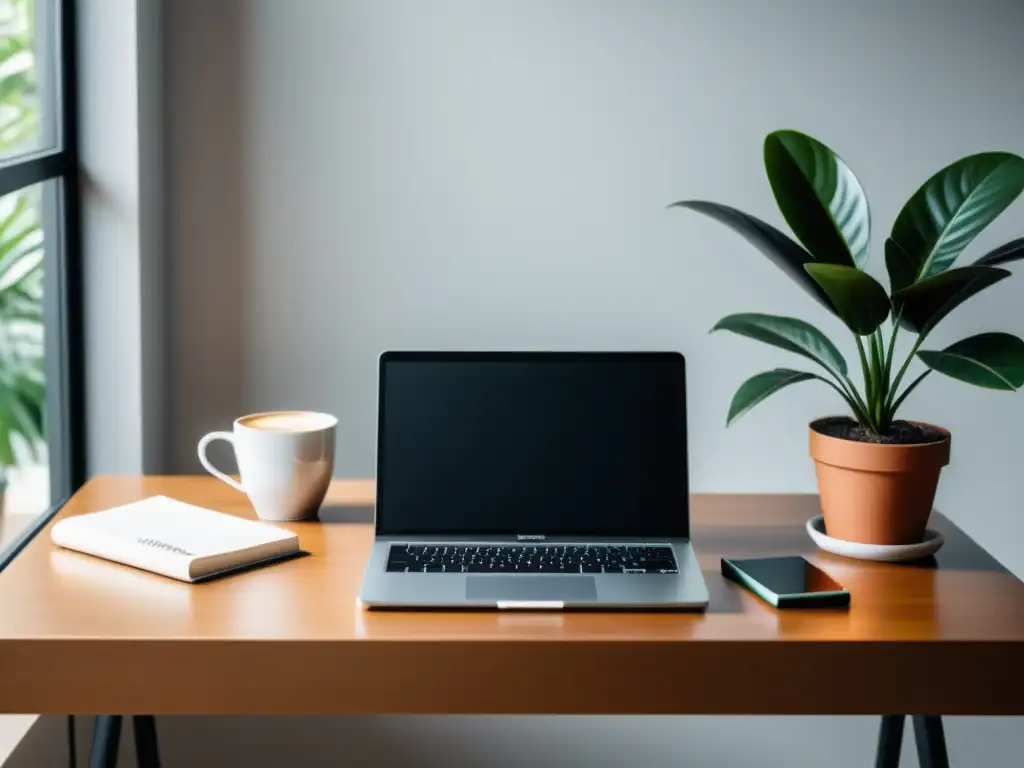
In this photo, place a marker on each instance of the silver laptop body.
(532, 480)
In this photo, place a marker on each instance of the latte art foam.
(287, 421)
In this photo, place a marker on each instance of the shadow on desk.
(345, 514)
(723, 595)
(959, 553)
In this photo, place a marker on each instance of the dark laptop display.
(521, 444)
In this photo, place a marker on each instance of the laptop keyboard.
(515, 558)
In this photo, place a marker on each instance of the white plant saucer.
(884, 553)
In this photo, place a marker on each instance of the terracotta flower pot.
(877, 493)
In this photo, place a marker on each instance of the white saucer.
(885, 553)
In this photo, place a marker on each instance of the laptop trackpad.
(564, 588)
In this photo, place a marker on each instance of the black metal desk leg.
(890, 741)
(146, 753)
(931, 741)
(106, 737)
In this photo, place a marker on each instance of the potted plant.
(877, 474)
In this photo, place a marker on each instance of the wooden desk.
(81, 635)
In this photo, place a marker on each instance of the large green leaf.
(12, 216)
(788, 333)
(860, 300)
(922, 305)
(901, 267)
(993, 360)
(20, 125)
(763, 385)
(27, 419)
(1004, 254)
(10, 45)
(8, 249)
(819, 196)
(781, 249)
(7, 457)
(953, 206)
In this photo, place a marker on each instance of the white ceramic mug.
(285, 460)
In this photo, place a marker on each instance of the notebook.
(175, 539)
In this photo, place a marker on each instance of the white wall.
(112, 271)
(353, 175)
(120, 115)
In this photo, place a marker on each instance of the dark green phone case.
(733, 571)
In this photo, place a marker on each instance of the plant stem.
(892, 345)
(908, 390)
(853, 398)
(899, 376)
(880, 343)
(843, 394)
(860, 410)
(846, 388)
(887, 376)
(878, 373)
(869, 380)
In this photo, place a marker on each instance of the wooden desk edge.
(327, 677)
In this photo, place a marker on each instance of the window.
(27, 90)
(41, 459)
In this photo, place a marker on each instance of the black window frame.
(62, 231)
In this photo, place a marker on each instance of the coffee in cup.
(285, 461)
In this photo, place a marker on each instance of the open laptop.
(532, 480)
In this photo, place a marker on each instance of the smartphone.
(786, 582)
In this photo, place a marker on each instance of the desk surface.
(78, 634)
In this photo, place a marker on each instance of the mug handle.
(201, 449)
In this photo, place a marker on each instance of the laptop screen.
(582, 444)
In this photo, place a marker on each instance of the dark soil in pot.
(899, 433)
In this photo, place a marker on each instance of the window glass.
(24, 469)
(27, 68)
